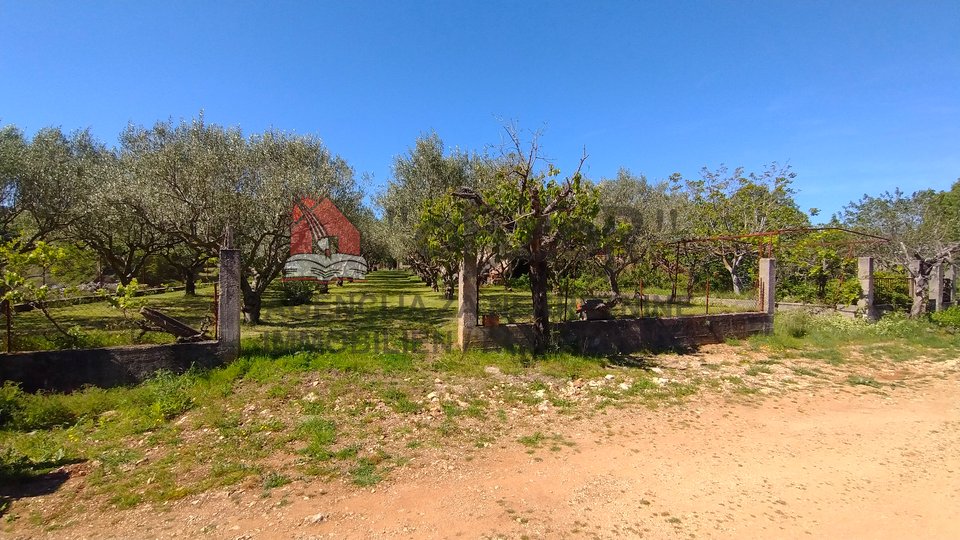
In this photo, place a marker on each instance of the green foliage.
(366, 473)
(736, 203)
(169, 395)
(824, 335)
(520, 283)
(14, 466)
(843, 293)
(21, 268)
(40, 412)
(319, 434)
(125, 297)
(796, 324)
(892, 289)
(948, 318)
(27, 412)
(11, 402)
(921, 228)
(275, 480)
(297, 293)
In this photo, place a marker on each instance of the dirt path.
(840, 462)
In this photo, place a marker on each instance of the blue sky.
(858, 97)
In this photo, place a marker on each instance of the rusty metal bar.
(708, 296)
(641, 297)
(8, 313)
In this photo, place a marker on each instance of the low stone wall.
(67, 370)
(623, 336)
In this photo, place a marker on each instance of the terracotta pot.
(491, 319)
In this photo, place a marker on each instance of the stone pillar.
(865, 276)
(767, 286)
(228, 307)
(950, 284)
(936, 287)
(467, 300)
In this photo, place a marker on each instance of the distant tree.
(635, 218)
(189, 261)
(808, 265)
(922, 229)
(198, 178)
(449, 228)
(13, 147)
(110, 224)
(948, 205)
(426, 173)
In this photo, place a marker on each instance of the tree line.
(167, 195)
(161, 200)
(520, 214)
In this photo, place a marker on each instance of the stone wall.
(67, 370)
(624, 336)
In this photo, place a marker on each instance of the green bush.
(11, 403)
(949, 318)
(14, 465)
(891, 289)
(846, 292)
(297, 293)
(26, 412)
(521, 283)
(43, 412)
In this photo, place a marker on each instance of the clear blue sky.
(858, 96)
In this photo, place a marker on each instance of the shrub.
(949, 318)
(43, 412)
(11, 403)
(14, 465)
(297, 293)
(521, 283)
(27, 412)
(892, 289)
(795, 324)
(169, 395)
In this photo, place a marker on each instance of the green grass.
(391, 311)
(513, 306)
(836, 340)
(275, 480)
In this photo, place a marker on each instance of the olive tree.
(426, 173)
(922, 229)
(635, 218)
(44, 182)
(198, 179)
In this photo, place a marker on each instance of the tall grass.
(825, 335)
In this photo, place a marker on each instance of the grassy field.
(392, 307)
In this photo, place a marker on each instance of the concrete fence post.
(767, 294)
(865, 276)
(467, 299)
(228, 321)
(950, 284)
(937, 287)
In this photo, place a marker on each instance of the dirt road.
(838, 462)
